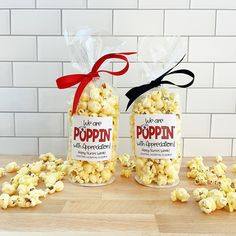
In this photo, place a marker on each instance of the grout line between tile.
(118, 8)
(232, 147)
(128, 35)
(37, 100)
(63, 126)
(210, 126)
(188, 42)
(14, 124)
(216, 12)
(10, 21)
(186, 100)
(112, 22)
(37, 57)
(213, 74)
(164, 16)
(38, 145)
(12, 75)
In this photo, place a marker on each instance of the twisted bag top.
(83, 79)
(135, 92)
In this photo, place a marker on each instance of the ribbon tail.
(181, 71)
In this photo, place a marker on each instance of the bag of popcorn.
(156, 115)
(93, 114)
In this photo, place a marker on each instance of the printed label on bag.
(155, 136)
(91, 138)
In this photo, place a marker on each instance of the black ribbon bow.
(135, 92)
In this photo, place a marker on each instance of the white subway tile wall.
(33, 54)
(4, 22)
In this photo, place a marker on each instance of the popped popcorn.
(231, 198)
(219, 159)
(210, 200)
(12, 167)
(219, 169)
(234, 168)
(200, 193)
(218, 196)
(59, 186)
(21, 190)
(4, 200)
(180, 194)
(127, 165)
(151, 171)
(13, 200)
(95, 101)
(207, 205)
(8, 188)
(201, 173)
(2, 172)
(225, 185)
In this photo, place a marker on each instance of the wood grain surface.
(122, 208)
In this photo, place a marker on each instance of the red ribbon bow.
(83, 79)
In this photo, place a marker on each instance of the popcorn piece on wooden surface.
(2, 172)
(127, 165)
(180, 194)
(4, 200)
(21, 190)
(200, 193)
(12, 167)
(207, 205)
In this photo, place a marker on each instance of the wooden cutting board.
(122, 208)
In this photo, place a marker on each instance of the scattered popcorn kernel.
(207, 205)
(36, 167)
(50, 180)
(211, 177)
(201, 179)
(225, 185)
(25, 189)
(233, 184)
(127, 165)
(180, 194)
(2, 172)
(59, 186)
(21, 189)
(12, 167)
(23, 170)
(126, 173)
(219, 159)
(47, 157)
(200, 193)
(219, 198)
(231, 198)
(4, 200)
(234, 168)
(8, 188)
(219, 169)
(25, 201)
(13, 200)
(50, 189)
